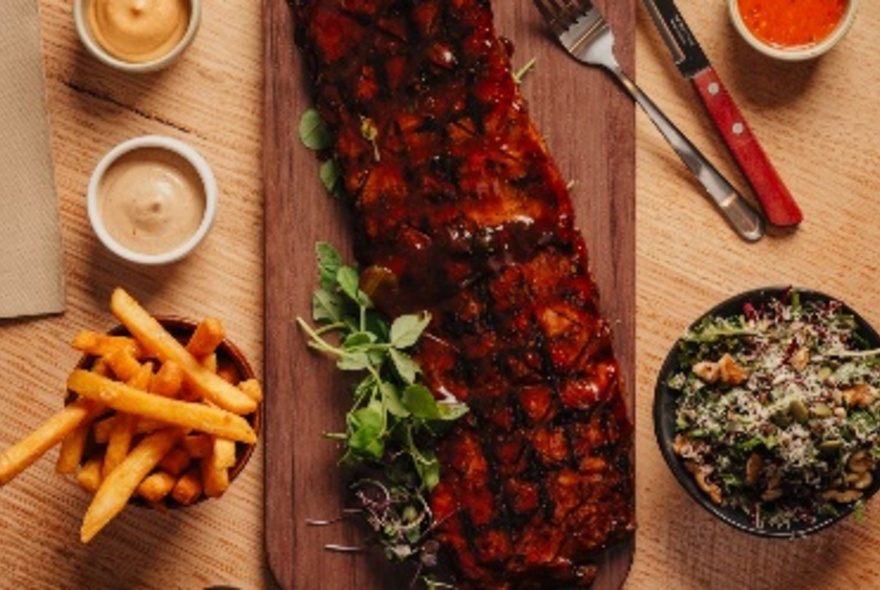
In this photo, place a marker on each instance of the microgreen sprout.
(393, 421)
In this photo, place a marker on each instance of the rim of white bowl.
(796, 53)
(209, 187)
(93, 47)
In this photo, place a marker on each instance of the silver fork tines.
(586, 35)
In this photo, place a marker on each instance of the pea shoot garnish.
(394, 420)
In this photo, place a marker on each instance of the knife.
(779, 206)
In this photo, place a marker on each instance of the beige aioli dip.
(138, 30)
(151, 200)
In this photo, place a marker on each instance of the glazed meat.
(455, 196)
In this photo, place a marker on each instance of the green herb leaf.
(406, 367)
(358, 340)
(329, 174)
(429, 468)
(421, 402)
(326, 306)
(406, 329)
(451, 411)
(347, 278)
(313, 131)
(366, 428)
(391, 397)
(388, 427)
(329, 263)
(354, 361)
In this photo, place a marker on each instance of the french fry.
(210, 362)
(102, 428)
(228, 373)
(223, 455)
(252, 389)
(156, 486)
(176, 461)
(122, 483)
(25, 452)
(123, 364)
(215, 468)
(168, 380)
(89, 477)
(125, 425)
(101, 367)
(149, 425)
(123, 398)
(150, 333)
(70, 453)
(188, 488)
(208, 335)
(119, 443)
(198, 445)
(98, 344)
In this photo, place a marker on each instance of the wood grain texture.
(817, 123)
(588, 124)
(211, 100)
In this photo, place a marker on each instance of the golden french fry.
(119, 443)
(121, 484)
(98, 344)
(149, 425)
(215, 479)
(70, 453)
(123, 398)
(25, 452)
(252, 388)
(175, 462)
(208, 335)
(123, 364)
(125, 425)
(152, 336)
(89, 477)
(102, 428)
(188, 488)
(229, 373)
(101, 367)
(210, 362)
(223, 455)
(156, 486)
(168, 380)
(198, 445)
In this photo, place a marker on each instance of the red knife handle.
(777, 202)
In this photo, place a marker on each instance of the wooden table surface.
(817, 121)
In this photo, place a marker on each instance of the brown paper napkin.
(31, 257)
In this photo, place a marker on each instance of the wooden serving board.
(589, 126)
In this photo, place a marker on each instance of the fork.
(586, 35)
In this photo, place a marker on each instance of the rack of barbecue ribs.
(457, 202)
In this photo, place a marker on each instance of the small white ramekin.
(209, 186)
(795, 53)
(85, 34)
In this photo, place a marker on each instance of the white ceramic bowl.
(80, 18)
(208, 185)
(800, 53)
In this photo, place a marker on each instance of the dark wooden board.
(589, 126)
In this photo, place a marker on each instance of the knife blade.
(779, 206)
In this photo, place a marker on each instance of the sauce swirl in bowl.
(152, 199)
(792, 30)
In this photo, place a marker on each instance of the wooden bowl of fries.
(159, 412)
(180, 479)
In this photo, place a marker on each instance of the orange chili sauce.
(791, 23)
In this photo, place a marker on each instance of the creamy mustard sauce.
(151, 200)
(138, 30)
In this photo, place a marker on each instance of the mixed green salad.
(778, 410)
